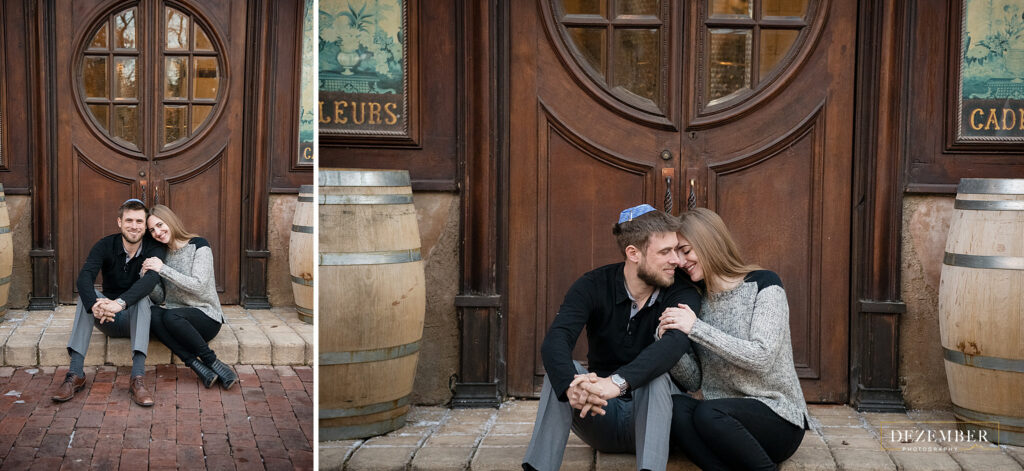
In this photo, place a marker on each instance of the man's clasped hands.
(105, 310)
(590, 393)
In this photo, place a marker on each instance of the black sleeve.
(145, 285)
(659, 356)
(556, 351)
(87, 276)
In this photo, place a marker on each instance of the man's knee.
(658, 387)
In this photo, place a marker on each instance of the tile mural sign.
(991, 96)
(363, 68)
(307, 103)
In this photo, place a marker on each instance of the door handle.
(691, 201)
(144, 192)
(668, 173)
(156, 195)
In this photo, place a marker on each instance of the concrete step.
(251, 337)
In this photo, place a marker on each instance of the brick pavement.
(841, 438)
(265, 423)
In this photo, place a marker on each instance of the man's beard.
(651, 277)
(128, 238)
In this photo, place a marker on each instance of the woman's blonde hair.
(717, 252)
(174, 224)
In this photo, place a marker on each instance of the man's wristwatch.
(621, 383)
(120, 302)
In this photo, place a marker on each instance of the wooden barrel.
(981, 308)
(300, 253)
(6, 254)
(372, 301)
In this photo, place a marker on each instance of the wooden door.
(748, 100)
(150, 104)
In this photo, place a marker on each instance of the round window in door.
(143, 40)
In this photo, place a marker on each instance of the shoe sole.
(66, 399)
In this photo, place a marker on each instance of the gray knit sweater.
(187, 280)
(742, 341)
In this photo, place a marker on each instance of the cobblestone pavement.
(438, 438)
(266, 423)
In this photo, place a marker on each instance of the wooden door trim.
(41, 49)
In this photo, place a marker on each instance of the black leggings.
(185, 330)
(736, 433)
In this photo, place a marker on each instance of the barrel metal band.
(302, 281)
(986, 417)
(998, 262)
(364, 178)
(364, 410)
(365, 199)
(981, 205)
(306, 229)
(304, 310)
(363, 356)
(370, 258)
(361, 431)
(991, 186)
(5, 229)
(3, 197)
(5, 280)
(979, 361)
(305, 199)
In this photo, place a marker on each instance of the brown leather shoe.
(140, 395)
(69, 387)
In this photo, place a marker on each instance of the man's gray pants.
(640, 426)
(132, 322)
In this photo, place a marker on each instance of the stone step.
(252, 337)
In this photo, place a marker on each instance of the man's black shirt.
(120, 279)
(599, 301)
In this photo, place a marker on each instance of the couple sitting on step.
(683, 312)
(152, 261)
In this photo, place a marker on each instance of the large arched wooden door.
(149, 107)
(617, 102)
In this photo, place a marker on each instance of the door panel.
(774, 159)
(199, 176)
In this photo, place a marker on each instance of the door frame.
(876, 213)
(258, 145)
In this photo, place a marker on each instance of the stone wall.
(438, 218)
(279, 281)
(922, 374)
(19, 208)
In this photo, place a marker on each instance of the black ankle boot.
(205, 374)
(228, 377)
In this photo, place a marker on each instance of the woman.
(753, 415)
(192, 316)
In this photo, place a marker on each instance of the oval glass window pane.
(729, 67)
(175, 123)
(124, 29)
(590, 43)
(202, 42)
(101, 113)
(638, 62)
(637, 7)
(585, 7)
(775, 43)
(126, 124)
(787, 8)
(177, 29)
(124, 78)
(175, 77)
(199, 114)
(99, 41)
(94, 77)
(731, 8)
(206, 79)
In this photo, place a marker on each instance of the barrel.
(300, 253)
(372, 301)
(981, 308)
(6, 254)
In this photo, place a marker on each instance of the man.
(122, 309)
(625, 403)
